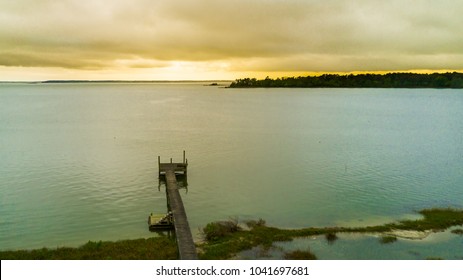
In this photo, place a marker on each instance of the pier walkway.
(185, 243)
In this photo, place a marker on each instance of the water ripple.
(293, 157)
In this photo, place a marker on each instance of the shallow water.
(79, 161)
(440, 245)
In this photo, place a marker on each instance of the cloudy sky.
(217, 39)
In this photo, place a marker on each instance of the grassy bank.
(157, 248)
(223, 240)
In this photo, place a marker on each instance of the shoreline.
(223, 240)
(390, 80)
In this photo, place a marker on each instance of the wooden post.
(186, 167)
(170, 160)
(159, 165)
(183, 156)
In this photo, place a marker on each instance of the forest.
(390, 80)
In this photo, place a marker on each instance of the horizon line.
(313, 74)
(111, 81)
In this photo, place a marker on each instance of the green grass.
(157, 248)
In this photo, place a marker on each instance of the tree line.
(390, 80)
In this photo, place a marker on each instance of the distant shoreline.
(208, 82)
(390, 80)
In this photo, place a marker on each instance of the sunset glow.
(209, 40)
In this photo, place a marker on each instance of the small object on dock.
(157, 223)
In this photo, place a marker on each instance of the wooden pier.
(185, 243)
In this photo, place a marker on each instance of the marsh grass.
(230, 244)
(156, 248)
(260, 234)
(216, 230)
(255, 223)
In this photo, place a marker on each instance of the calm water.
(78, 162)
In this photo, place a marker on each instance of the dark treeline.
(391, 80)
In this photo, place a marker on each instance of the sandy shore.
(410, 234)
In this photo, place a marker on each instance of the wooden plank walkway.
(185, 243)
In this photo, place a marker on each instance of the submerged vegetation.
(331, 237)
(390, 80)
(223, 240)
(387, 239)
(300, 255)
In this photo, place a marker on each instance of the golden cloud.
(251, 35)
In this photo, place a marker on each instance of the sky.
(217, 39)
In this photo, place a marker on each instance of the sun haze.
(215, 39)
